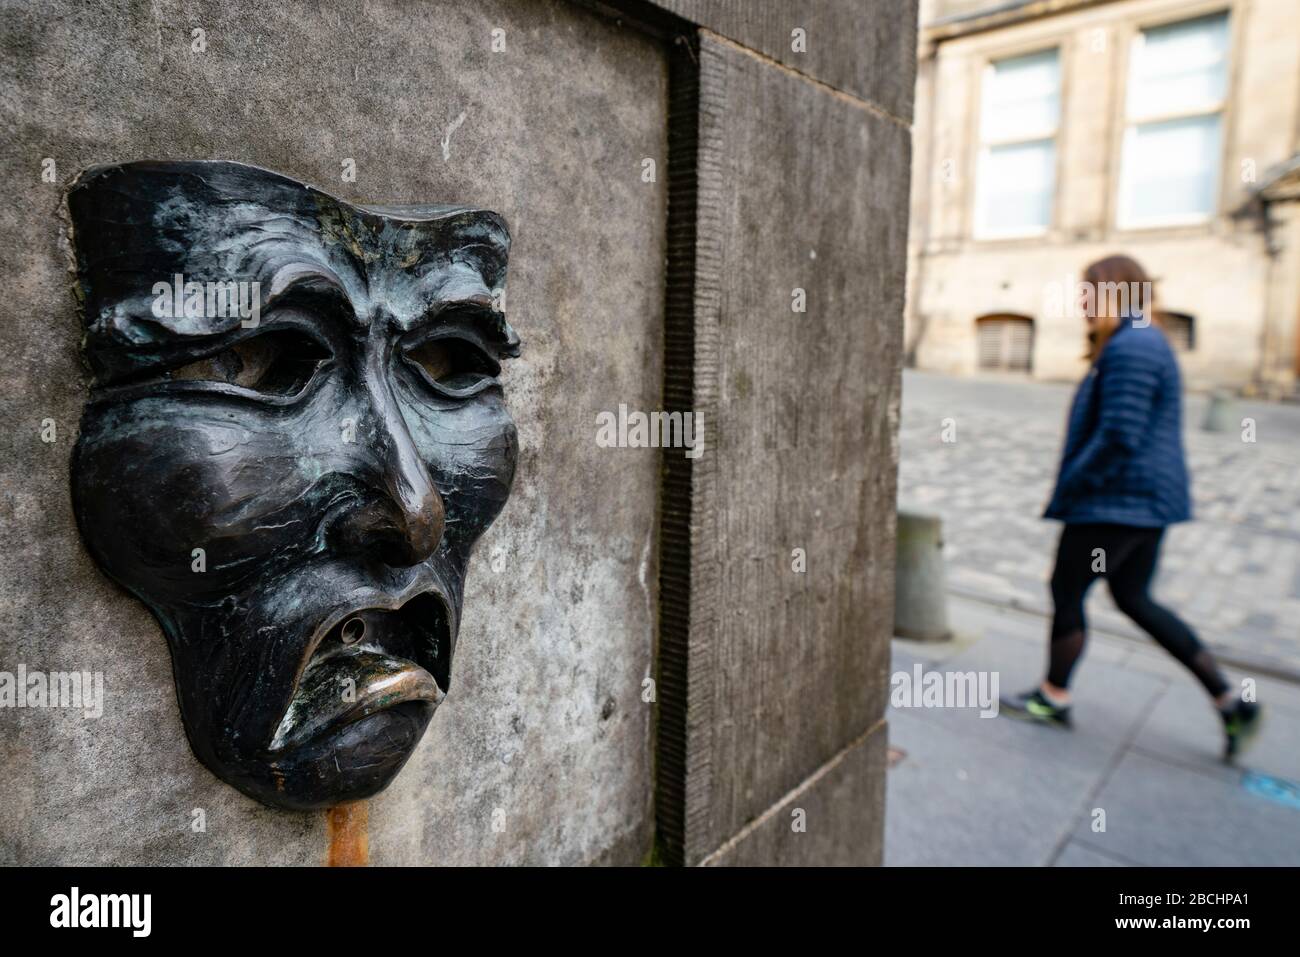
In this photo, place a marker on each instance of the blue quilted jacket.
(1123, 461)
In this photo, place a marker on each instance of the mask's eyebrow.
(298, 277)
(480, 312)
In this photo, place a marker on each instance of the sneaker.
(1240, 725)
(1036, 706)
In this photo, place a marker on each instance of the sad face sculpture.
(294, 437)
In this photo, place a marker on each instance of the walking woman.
(1122, 481)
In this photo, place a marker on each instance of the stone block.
(797, 304)
(867, 50)
(832, 819)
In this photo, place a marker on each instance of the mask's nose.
(402, 524)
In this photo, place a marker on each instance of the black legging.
(1126, 557)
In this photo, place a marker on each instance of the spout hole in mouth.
(354, 629)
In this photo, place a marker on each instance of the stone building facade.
(1050, 133)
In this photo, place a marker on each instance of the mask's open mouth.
(368, 660)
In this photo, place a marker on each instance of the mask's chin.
(369, 684)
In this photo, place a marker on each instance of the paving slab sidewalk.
(1145, 751)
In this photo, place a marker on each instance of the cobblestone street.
(1233, 572)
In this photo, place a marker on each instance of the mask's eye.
(276, 363)
(454, 365)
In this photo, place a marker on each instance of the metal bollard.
(920, 584)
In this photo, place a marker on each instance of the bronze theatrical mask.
(294, 437)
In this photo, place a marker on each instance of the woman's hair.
(1116, 285)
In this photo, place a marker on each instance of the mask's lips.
(367, 660)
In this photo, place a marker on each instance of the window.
(1180, 328)
(1178, 80)
(1016, 177)
(1005, 342)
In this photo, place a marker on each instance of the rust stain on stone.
(349, 834)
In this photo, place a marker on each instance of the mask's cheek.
(155, 481)
(470, 449)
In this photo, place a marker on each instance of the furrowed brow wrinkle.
(305, 278)
(316, 291)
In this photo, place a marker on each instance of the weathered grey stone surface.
(833, 818)
(559, 615)
(798, 189)
(864, 47)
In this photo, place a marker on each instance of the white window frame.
(1123, 219)
(1049, 134)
